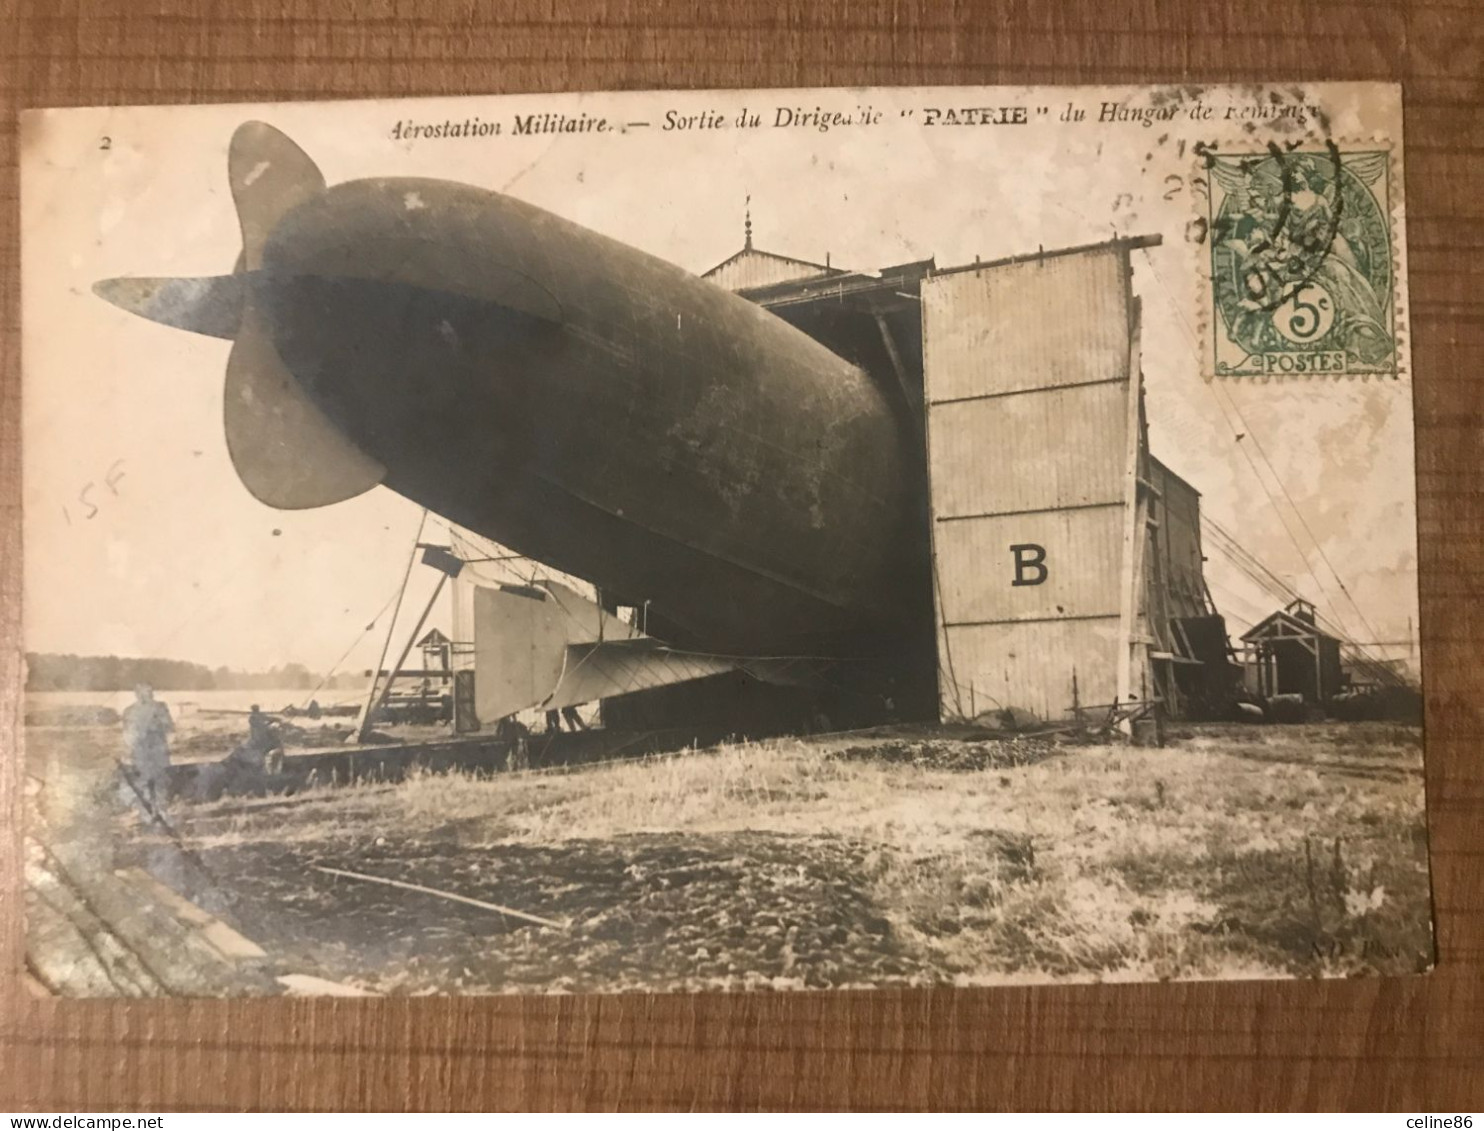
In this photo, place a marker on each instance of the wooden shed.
(1289, 654)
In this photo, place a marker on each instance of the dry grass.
(1234, 852)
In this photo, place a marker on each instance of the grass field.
(896, 859)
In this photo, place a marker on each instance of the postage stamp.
(1303, 277)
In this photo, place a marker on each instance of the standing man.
(147, 727)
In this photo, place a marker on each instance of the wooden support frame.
(1135, 534)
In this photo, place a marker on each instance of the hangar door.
(1033, 447)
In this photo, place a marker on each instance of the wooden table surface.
(1405, 1044)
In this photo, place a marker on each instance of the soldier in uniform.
(147, 727)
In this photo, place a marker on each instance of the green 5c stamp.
(1303, 272)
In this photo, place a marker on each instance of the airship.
(571, 397)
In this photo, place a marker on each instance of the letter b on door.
(1030, 563)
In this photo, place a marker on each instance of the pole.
(1134, 531)
(484, 904)
(365, 727)
(386, 688)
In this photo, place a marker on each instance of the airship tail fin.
(286, 451)
(211, 306)
(269, 175)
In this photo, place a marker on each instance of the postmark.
(1304, 279)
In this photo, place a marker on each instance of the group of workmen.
(258, 758)
(147, 728)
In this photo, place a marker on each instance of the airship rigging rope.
(401, 592)
(335, 667)
(1305, 524)
(1266, 580)
(1248, 430)
(1271, 584)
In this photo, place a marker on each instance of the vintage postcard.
(746, 540)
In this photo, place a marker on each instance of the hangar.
(1066, 577)
(1067, 560)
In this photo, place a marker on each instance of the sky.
(139, 539)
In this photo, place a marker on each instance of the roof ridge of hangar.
(759, 253)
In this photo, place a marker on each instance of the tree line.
(51, 671)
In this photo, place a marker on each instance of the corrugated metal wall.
(1031, 324)
(1038, 449)
(1026, 373)
(1031, 666)
(977, 570)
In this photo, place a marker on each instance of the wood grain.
(1412, 1044)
